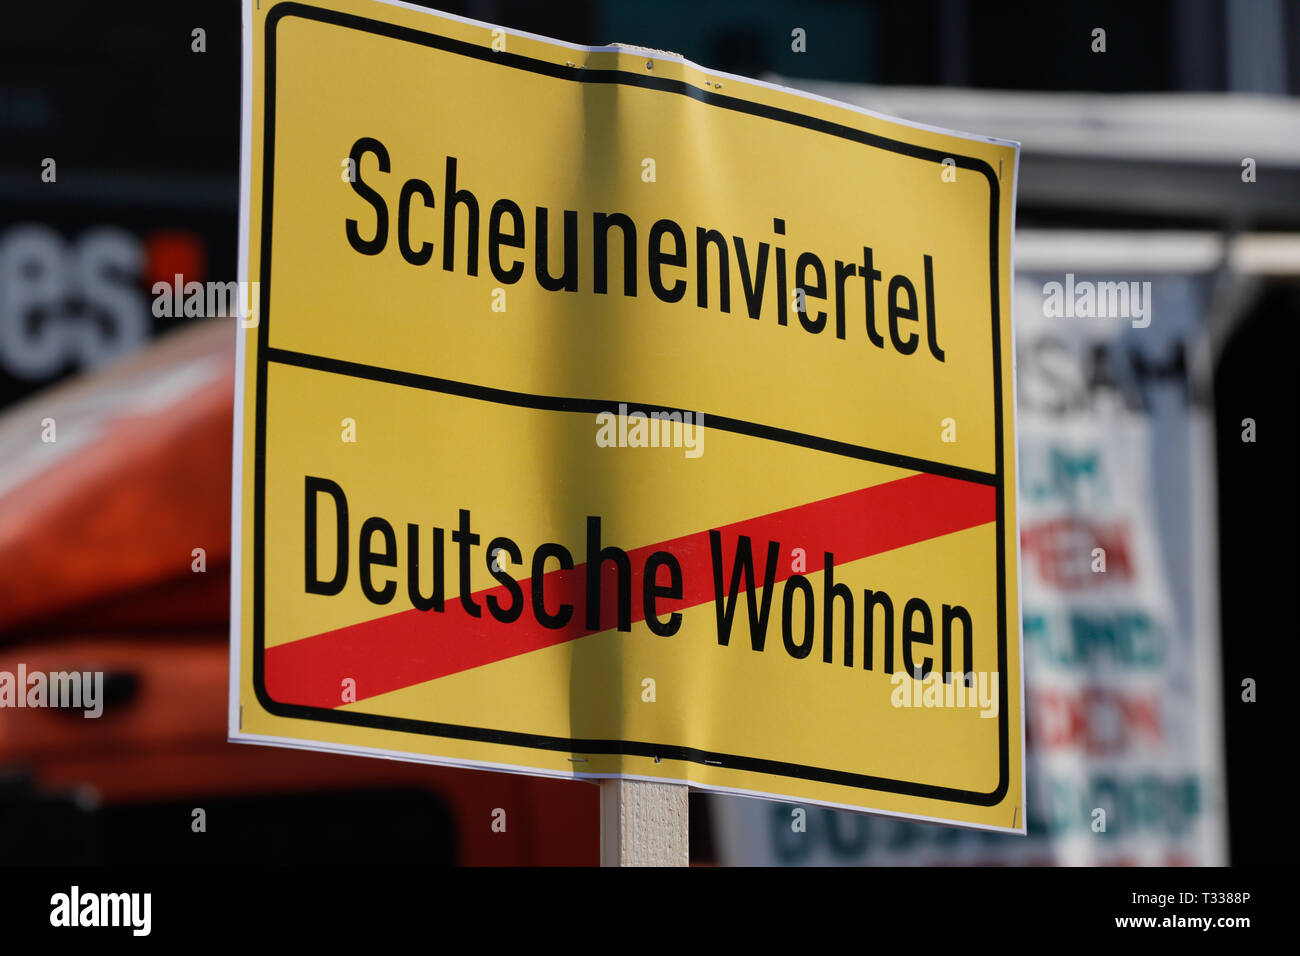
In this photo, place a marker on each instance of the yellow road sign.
(602, 415)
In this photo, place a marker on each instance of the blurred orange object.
(115, 557)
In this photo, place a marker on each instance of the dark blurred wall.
(1257, 527)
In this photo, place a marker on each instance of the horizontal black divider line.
(592, 406)
(625, 78)
(633, 748)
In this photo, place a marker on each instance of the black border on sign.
(265, 355)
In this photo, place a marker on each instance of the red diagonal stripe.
(410, 647)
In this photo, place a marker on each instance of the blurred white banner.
(1123, 714)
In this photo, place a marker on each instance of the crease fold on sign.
(411, 646)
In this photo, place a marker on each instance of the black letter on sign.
(466, 538)
(451, 198)
(658, 259)
(831, 592)
(369, 247)
(496, 239)
(506, 615)
(897, 310)
(418, 600)
(797, 582)
(652, 590)
(568, 279)
(805, 262)
(931, 332)
(744, 565)
(912, 636)
(314, 584)
(544, 617)
(596, 558)
(416, 257)
(368, 556)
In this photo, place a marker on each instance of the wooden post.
(644, 824)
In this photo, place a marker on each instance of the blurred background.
(1170, 156)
